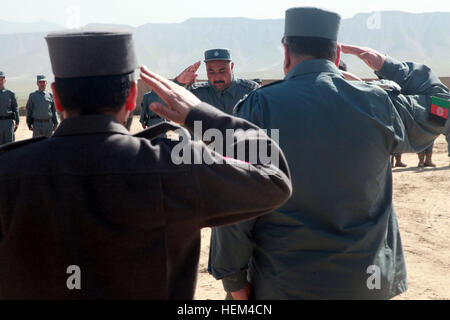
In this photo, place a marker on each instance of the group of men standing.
(129, 217)
(42, 117)
(222, 89)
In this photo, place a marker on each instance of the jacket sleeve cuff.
(389, 69)
(204, 113)
(235, 282)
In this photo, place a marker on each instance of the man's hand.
(54, 128)
(372, 58)
(16, 127)
(31, 128)
(188, 76)
(338, 55)
(179, 100)
(144, 126)
(243, 294)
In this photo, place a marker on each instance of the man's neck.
(121, 116)
(296, 60)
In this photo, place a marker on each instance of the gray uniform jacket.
(338, 236)
(117, 206)
(41, 106)
(223, 100)
(8, 105)
(148, 117)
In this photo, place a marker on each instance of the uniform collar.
(90, 124)
(313, 66)
(232, 89)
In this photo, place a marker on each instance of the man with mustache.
(222, 90)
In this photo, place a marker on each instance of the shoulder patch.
(239, 104)
(248, 84)
(440, 109)
(15, 145)
(272, 84)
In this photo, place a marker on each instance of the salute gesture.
(372, 58)
(179, 100)
(188, 76)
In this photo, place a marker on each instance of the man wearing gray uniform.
(148, 117)
(222, 90)
(338, 235)
(9, 113)
(42, 118)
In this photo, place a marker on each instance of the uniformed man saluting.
(338, 236)
(117, 207)
(9, 113)
(42, 118)
(222, 90)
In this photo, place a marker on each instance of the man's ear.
(58, 105)
(232, 66)
(131, 100)
(287, 59)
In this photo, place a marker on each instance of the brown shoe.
(399, 163)
(421, 160)
(428, 161)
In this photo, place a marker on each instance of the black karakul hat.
(91, 53)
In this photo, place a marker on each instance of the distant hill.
(256, 46)
(7, 27)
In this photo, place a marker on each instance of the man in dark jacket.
(96, 213)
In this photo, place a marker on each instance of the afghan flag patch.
(439, 110)
(440, 107)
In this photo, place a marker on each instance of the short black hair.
(319, 48)
(94, 95)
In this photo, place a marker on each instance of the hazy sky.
(73, 13)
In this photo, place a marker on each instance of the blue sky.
(138, 12)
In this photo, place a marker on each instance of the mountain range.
(255, 44)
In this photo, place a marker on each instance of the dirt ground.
(422, 201)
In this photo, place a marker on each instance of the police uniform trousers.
(6, 131)
(42, 128)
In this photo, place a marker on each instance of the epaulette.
(15, 145)
(387, 85)
(156, 130)
(271, 84)
(198, 85)
(240, 102)
(248, 84)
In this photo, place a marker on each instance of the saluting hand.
(243, 294)
(179, 100)
(188, 76)
(372, 58)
